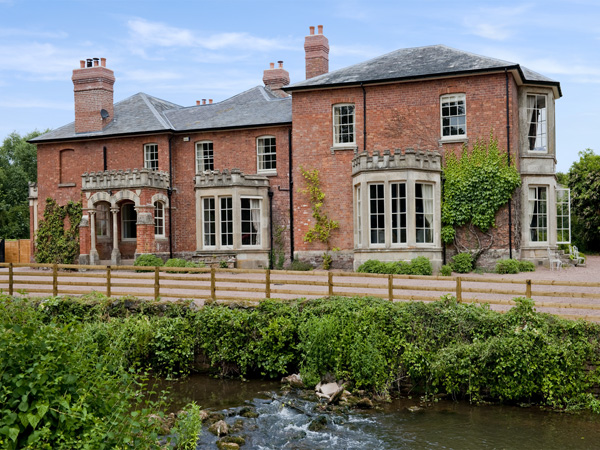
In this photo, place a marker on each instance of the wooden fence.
(252, 285)
(18, 251)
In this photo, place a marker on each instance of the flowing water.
(284, 419)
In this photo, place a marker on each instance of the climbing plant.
(323, 225)
(57, 237)
(477, 184)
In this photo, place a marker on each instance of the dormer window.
(537, 117)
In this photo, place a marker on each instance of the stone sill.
(66, 185)
(344, 148)
(462, 140)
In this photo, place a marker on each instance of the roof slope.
(137, 114)
(142, 113)
(418, 62)
(254, 107)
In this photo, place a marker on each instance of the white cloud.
(24, 33)
(497, 24)
(148, 34)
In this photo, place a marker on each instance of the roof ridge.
(162, 120)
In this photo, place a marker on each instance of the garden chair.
(554, 260)
(574, 255)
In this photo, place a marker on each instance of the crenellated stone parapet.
(409, 159)
(235, 177)
(124, 179)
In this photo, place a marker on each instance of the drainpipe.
(105, 159)
(443, 243)
(291, 185)
(364, 117)
(508, 160)
(271, 227)
(170, 195)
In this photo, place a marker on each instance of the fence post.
(391, 287)
(156, 283)
(10, 279)
(108, 281)
(54, 280)
(528, 288)
(268, 283)
(330, 283)
(213, 287)
(458, 289)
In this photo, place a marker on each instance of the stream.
(284, 419)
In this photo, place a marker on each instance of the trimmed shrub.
(417, 266)
(462, 263)
(446, 270)
(300, 266)
(421, 266)
(526, 266)
(148, 260)
(507, 266)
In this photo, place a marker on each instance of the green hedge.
(459, 349)
(417, 266)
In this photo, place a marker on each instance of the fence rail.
(561, 297)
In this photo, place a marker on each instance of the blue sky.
(183, 51)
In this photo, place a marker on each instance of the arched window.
(159, 219)
(128, 221)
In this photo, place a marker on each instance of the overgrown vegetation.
(323, 226)
(464, 350)
(477, 184)
(278, 253)
(178, 262)
(64, 383)
(57, 238)
(417, 266)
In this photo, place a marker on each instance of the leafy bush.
(300, 266)
(178, 262)
(526, 266)
(418, 266)
(462, 263)
(148, 260)
(446, 270)
(507, 266)
(187, 427)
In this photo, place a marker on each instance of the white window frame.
(426, 215)
(100, 211)
(397, 201)
(159, 219)
(377, 213)
(151, 156)
(226, 227)
(337, 125)
(259, 230)
(206, 231)
(359, 215)
(204, 156)
(533, 203)
(563, 213)
(449, 98)
(261, 153)
(124, 221)
(540, 136)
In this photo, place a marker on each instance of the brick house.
(218, 181)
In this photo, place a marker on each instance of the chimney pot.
(89, 62)
(280, 64)
(82, 64)
(272, 65)
(312, 30)
(96, 62)
(210, 101)
(320, 29)
(103, 62)
(204, 101)
(197, 102)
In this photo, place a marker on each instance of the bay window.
(537, 116)
(538, 213)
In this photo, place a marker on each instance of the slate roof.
(142, 113)
(419, 62)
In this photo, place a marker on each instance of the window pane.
(454, 115)
(159, 219)
(102, 219)
(538, 217)
(343, 124)
(424, 212)
(128, 221)
(266, 151)
(204, 156)
(250, 221)
(377, 213)
(209, 224)
(226, 221)
(398, 212)
(151, 156)
(537, 119)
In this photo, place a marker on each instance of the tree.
(18, 167)
(584, 182)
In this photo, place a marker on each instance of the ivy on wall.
(477, 184)
(323, 225)
(57, 239)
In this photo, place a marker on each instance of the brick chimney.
(93, 88)
(316, 47)
(275, 79)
